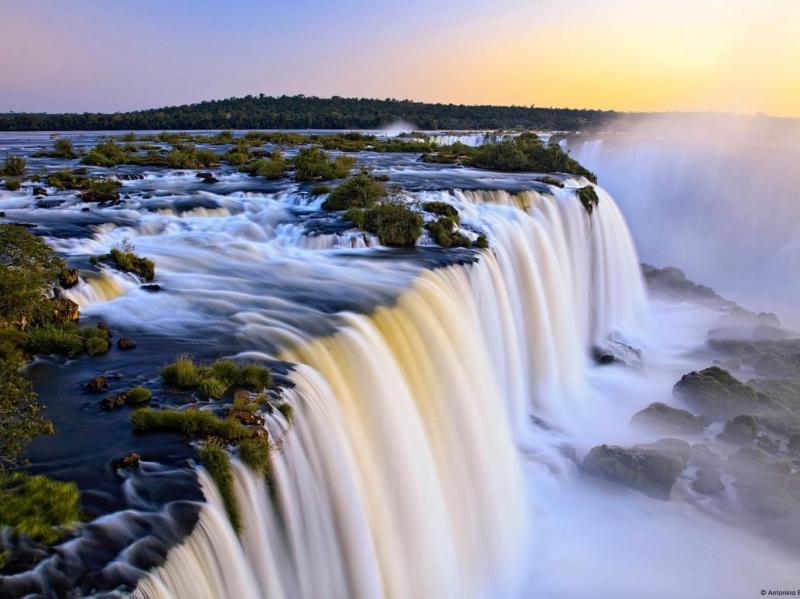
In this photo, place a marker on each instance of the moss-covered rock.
(707, 481)
(715, 393)
(38, 507)
(588, 197)
(646, 471)
(668, 420)
(741, 429)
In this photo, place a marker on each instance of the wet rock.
(130, 460)
(39, 191)
(702, 456)
(98, 384)
(64, 310)
(639, 469)
(768, 444)
(207, 177)
(152, 288)
(666, 419)
(124, 343)
(741, 429)
(568, 451)
(113, 402)
(129, 176)
(602, 357)
(708, 482)
(713, 392)
(746, 461)
(793, 444)
(673, 448)
(247, 417)
(68, 278)
(779, 468)
(47, 204)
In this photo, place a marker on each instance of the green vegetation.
(65, 339)
(37, 507)
(107, 153)
(191, 423)
(523, 153)
(287, 410)
(588, 197)
(308, 112)
(359, 191)
(216, 380)
(100, 190)
(63, 149)
(393, 223)
(188, 156)
(550, 181)
(14, 166)
(126, 260)
(481, 242)
(12, 184)
(313, 164)
(137, 396)
(442, 209)
(445, 233)
(320, 189)
(269, 168)
(255, 453)
(218, 464)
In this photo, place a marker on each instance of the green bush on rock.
(313, 164)
(359, 191)
(393, 223)
(588, 197)
(444, 233)
(218, 464)
(216, 380)
(37, 507)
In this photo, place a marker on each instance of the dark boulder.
(207, 177)
(68, 278)
(741, 429)
(130, 460)
(124, 343)
(113, 402)
(39, 191)
(98, 384)
(152, 288)
(708, 482)
(702, 456)
(639, 469)
(668, 420)
(713, 392)
(671, 448)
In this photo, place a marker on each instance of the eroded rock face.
(68, 278)
(640, 469)
(714, 393)
(668, 420)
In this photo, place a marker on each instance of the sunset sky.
(96, 55)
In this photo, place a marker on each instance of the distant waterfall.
(402, 475)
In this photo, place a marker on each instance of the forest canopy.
(309, 112)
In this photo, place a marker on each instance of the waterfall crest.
(402, 474)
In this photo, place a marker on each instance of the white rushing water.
(403, 473)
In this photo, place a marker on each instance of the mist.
(717, 196)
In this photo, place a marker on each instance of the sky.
(633, 55)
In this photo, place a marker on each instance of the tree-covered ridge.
(309, 112)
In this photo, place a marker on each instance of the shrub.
(20, 414)
(238, 155)
(588, 197)
(54, 340)
(182, 373)
(126, 261)
(481, 242)
(107, 153)
(444, 233)
(226, 371)
(100, 190)
(255, 377)
(359, 191)
(38, 507)
(393, 223)
(12, 184)
(188, 156)
(63, 148)
(212, 388)
(216, 461)
(138, 395)
(255, 453)
(270, 168)
(192, 423)
(441, 208)
(14, 166)
(319, 189)
(96, 346)
(313, 164)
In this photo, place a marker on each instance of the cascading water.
(402, 474)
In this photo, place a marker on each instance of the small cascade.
(99, 288)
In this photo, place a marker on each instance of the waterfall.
(403, 472)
